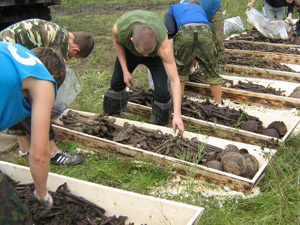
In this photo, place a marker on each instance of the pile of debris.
(67, 208)
(255, 35)
(229, 44)
(217, 114)
(198, 77)
(191, 150)
(251, 61)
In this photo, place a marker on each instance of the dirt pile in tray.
(198, 77)
(67, 208)
(208, 111)
(254, 35)
(254, 62)
(259, 47)
(191, 150)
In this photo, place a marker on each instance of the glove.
(46, 202)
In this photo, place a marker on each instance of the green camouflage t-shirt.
(37, 33)
(129, 21)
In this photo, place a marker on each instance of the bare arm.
(165, 52)
(41, 93)
(250, 4)
(120, 50)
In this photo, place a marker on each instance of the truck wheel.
(44, 12)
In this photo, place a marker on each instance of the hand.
(249, 5)
(178, 125)
(128, 80)
(46, 202)
(290, 21)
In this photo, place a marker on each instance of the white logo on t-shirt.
(31, 61)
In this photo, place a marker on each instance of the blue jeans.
(273, 12)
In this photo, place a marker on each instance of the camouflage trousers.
(196, 42)
(12, 209)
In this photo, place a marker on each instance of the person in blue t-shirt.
(29, 83)
(214, 12)
(190, 31)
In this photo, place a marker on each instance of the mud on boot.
(161, 112)
(115, 102)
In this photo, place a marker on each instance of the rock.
(215, 165)
(295, 94)
(252, 166)
(234, 163)
(270, 132)
(243, 151)
(228, 148)
(250, 125)
(279, 126)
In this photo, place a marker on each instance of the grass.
(278, 202)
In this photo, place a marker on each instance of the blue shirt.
(210, 7)
(183, 13)
(17, 63)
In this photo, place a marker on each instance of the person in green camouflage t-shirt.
(140, 37)
(33, 33)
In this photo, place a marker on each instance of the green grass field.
(279, 198)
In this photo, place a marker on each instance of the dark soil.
(103, 8)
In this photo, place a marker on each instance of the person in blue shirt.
(190, 32)
(29, 83)
(214, 12)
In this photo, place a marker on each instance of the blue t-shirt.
(184, 13)
(210, 7)
(17, 63)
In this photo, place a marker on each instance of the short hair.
(196, 2)
(85, 43)
(53, 61)
(144, 37)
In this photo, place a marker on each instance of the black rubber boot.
(161, 112)
(115, 102)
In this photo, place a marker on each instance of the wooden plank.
(140, 209)
(245, 97)
(230, 133)
(279, 57)
(245, 71)
(263, 155)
